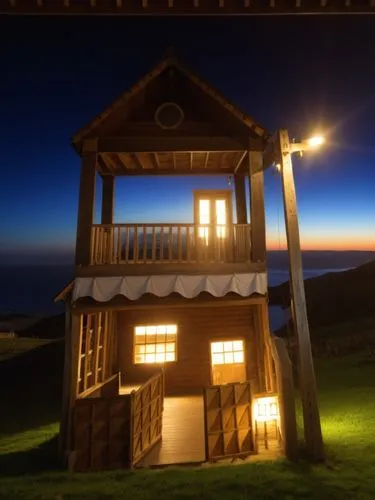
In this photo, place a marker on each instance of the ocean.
(30, 290)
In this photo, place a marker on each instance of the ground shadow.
(30, 395)
(36, 460)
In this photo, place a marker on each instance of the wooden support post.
(257, 213)
(240, 193)
(73, 331)
(86, 209)
(107, 217)
(108, 199)
(312, 428)
(285, 389)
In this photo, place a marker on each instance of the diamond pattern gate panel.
(228, 421)
(101, 433)
(146, 417)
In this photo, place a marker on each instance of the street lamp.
(283, 150)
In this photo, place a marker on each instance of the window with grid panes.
(227, 352)
(155, 343)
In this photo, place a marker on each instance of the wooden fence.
(101, 429)
(228, 421)
(112, 431)
(146, 417)
(169, 243)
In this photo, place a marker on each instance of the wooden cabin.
(168, 350)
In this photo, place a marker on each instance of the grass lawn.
(346, 393)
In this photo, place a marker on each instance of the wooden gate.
(146, 417)
(101, 437)
(228, 421)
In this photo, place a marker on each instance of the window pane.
(228, 357)
(160, 358)
(150, 330)
(170, 347)
(204, 211)
(170, 356)
(238, 357)
(228, 346)
(221, 216)
(150, 358)
(217, 359)
(171, 329)
(160, 347)
(217, 347)
(140, 330)
(238, 345)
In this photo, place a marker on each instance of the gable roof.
(172, 62)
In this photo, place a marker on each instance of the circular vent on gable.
(169, 115)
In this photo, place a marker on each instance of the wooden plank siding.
(196, 328)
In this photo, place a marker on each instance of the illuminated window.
(155, 343)
(204, 218)
(221, 218)
(228, 352)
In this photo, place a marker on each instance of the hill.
(50, 327)
(335, 297)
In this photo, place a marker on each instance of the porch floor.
(183, 433)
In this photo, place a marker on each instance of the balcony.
(181, 245)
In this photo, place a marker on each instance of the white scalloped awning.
(103, 289)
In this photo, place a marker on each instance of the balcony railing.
(169, 243)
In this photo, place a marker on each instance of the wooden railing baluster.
(161, 243)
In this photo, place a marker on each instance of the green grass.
(346, 394)
(13, 347)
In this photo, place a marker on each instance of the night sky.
(303, 73)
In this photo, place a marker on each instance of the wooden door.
(213, 221)
(228, 362)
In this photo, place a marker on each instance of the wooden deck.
(183, 433)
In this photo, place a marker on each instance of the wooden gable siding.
(204, 115)
(196, 328)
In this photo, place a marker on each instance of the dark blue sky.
(302, 73)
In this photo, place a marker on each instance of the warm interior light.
(228, 352)
(155, 343)
(204, 218)
(315, 141)
(221, 218)
(266, 408)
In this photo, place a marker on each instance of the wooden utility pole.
(311, 418)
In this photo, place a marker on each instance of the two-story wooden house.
(167, 337)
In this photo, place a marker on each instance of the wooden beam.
(257, 212)
(239, 163)
(108, 162)
(156, 160)
(240, 194)
(177, 171)
(108, 199)
(86, 209)
(170, 144)
(193, 8)
(206, 159)
(312, 428)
